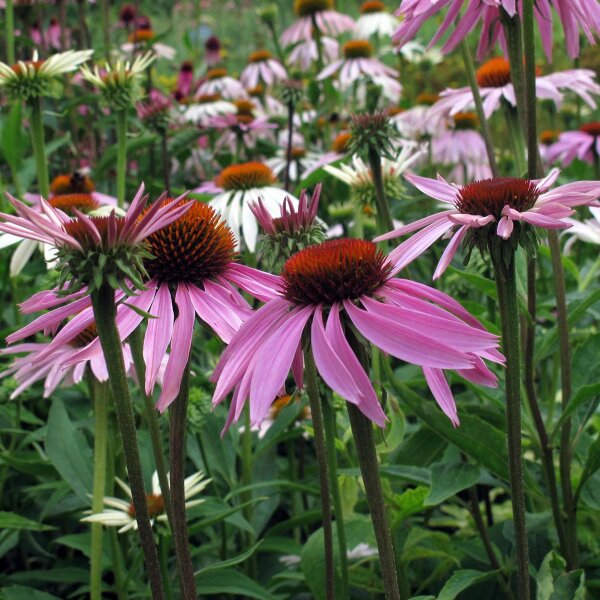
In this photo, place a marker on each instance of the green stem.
(100, 396)
(9, 31)
(329, 424)
(566, 451)
(483, 122)
(319, 42)
(596, 164)
(178, 421)
(166, 165)
(530, 89)
(103, 303)
(117, 565)
(364, 440)
(121, 156)
(288, 152)
(137, 352)
(39, 147)
(105, 18)
(530, 390)
(312, 388)
(506, 284)
(163, 555)
(384, 217)
(517, 141)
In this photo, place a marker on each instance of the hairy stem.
(166, 166)
(506, 285)
(332, 468)
(103, 302)
(39, 146)
(100, 396)
(121, 116)
(288, 151)
(483, 122)
(178, 421)
(9, 31)
(312, 387)
(384, 217)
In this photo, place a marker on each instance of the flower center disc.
(75, 183)
(494, 73)
(156, 506)
(85, 337)
(333, 271)
(490, 196)
(298, 152)
(197, 246)
(358, 49)
(306, 8)
(69, 202)
(466, 120)
(207, 98)
(341, 142)
(36, 64)
(426, 99)
(591, 129)
(216, 74)
(141, 36)
(245, 107)
(259, 56)
(80, 232)
(245, 176)
(374, 6)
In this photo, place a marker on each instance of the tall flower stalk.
(39, 146)
(121, 117)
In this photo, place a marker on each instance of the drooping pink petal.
(441, 392)
(158, 334)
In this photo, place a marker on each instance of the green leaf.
(9, 520)
(232, 562)
(231, 582)
(410, 502)
(462, 580)
(476, 438)
(68, 450)
(13, 140)
(449, 479)
(19, 592)
(555, 583)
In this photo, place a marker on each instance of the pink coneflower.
(339, 150)
(142, 38)
(154, 111)
(415, 123)
(359, 64)
(262, 67)
(575, 15)
(548, 139)
(305, 54)
(497, 203)
(212, 51)
(194, 264)
(583, 144)
(463, 148)
(336, 284)
(219, 82)
(44, 361)
(494, 80)
(319, 13)
(185, 79)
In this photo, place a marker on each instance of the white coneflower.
(205, 107)
(374, 20)
(32, 78)
(121, 513)
(119, 83)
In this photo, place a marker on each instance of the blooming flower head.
(33, 78)
(319, 13)
(587, 230)
(489, 210)
(237, 186)
(93, 248)
(575, 15)
(219, 82)
(306, 53)
(495, 83)
(154, 112)
(262, 67)
(374, 20)
(142, 39)
(358, 63)
(119, 84)
(583, 144)
(203, 108)
(45, 361)
(463, 148)
(325, 289)
(293, 230)
(121, 513)
(212, 51)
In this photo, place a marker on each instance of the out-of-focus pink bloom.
(548, 139)
(49, 39)
(142, 39)
(218, 82)
(204, 108)
(291, 220)
(495, 85)
(338, 151)
(500, 200)
(463, 148)
(348, 281)
(328, 21)
(306, 53)
(262, 67)
(575, 15)
(586, 231)
(212, 51)
(583, 144)
(156, 106)
(358, 64)
(185, 79)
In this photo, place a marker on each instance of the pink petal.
(441, 392)
(158, 334)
